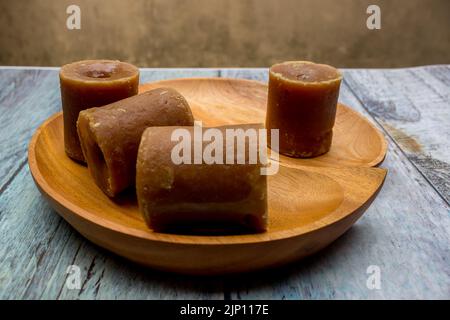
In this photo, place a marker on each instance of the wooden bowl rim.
(333, 217)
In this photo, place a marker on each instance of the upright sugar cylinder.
(302, 103)
(92, 83)
(219, 195)
(110, 135)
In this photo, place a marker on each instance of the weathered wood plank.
(441, 72)
(155, 74)
(405, 232)
(26, 98)
(413, 106)
(258, 74)
(37, 246)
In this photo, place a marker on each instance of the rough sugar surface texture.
(92, 83)
(198, 197)
(110, 135)
(302, 104)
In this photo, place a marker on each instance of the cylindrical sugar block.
(211, 187)
(110, 135)
(302, 102)
(92, 83)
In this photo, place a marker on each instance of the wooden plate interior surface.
(220, 101)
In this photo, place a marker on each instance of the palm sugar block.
(205, 196)
(302, 103)
(92, 83)
(110, 135)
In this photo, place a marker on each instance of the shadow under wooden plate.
(309, 205)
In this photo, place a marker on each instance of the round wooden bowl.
(310, 204)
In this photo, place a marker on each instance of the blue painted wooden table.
(405, 234)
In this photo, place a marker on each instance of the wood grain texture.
(222, 101)
(413, 106)
(308, 207)
(37, 246)
(21, 114)
(35, 253)
(405, 232)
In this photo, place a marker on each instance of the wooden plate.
(219, 101)
(309, 206)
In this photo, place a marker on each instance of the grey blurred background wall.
(209, 33)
